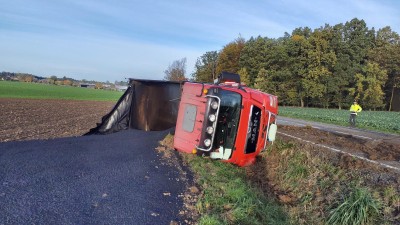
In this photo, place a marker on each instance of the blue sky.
(108, 40)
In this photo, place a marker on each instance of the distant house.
(5, 78)
(121, 87)
(87, 85)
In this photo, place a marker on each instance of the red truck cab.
(225, 120)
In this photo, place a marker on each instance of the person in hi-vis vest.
(354, 109)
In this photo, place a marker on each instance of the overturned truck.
(224, 120)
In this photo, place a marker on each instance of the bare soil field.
(27, 119)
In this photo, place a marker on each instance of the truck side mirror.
(272, 132)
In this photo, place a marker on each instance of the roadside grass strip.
(228, 198)
(44, 91)
(319, 189)
(359, 207)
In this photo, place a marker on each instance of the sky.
(107, 40)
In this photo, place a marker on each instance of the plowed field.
(26, 119)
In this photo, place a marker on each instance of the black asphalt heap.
(100, 179)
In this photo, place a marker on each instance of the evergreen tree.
(255, 56)
(261, 80)
(387, 55)
(375, 79)
(228, 59)
(244, 77)
(342, 71)
(205, 68)
(327, 67)
(369, 86)
(321, 60)
(298, 49)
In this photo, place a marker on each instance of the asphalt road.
(100, 179)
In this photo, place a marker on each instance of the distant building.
(87, 85)
(121, 87)
(5, 78)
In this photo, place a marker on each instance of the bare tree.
(176, 71)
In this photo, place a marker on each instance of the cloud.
(316, 13)
(90, 57)
(99, 39)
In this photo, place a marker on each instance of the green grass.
(297, 168)
(372, 120)
(359, 207)
(324, 193)
(228, 198)
(43, 91)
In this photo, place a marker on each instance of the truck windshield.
(228, 119)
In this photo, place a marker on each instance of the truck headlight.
(210, 130)
(207, 142)
(212, 117)
(214, 105)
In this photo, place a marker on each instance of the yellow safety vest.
(355, 108)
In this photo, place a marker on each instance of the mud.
(371, 149)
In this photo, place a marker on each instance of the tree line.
(328, 67)
(54, 80)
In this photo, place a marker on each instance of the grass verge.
(43, 91)
(225, 194)
(319, 187)
(359, 207)
(229, 198)
(372, 120)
